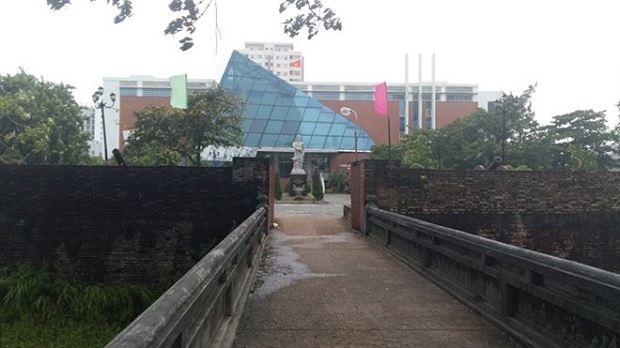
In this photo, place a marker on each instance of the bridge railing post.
(371, 201)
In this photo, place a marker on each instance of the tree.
(509, 128)
(383, 151)
(585, 139)
(422, 149)
(164, 136)
(314, 16)
(40, 122)
(317, 185)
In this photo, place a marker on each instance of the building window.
(125, 92)
(326, 95)
(458, 97)
(156, 92)
(359, 96)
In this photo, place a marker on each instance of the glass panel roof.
(276, 112)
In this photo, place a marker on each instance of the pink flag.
(381, 102)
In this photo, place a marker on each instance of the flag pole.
(382, 108)
(389, 138)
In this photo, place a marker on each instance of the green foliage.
(339, 180)
(164, 136)
(576, 141)
(40, 122)
(188, 13)
(32, 297)
(278, 187)
(56, 334)
(383, 151)
(584, 140)
(317, 187)
(418, 149)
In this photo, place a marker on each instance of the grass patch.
(40, 309)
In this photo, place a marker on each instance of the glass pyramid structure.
(276, 111)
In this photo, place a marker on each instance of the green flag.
(178, 95)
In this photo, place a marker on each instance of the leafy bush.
(339, 181)
(32, 297)
(317, 186)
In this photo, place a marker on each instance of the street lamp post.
(346, 111)
(100, 104)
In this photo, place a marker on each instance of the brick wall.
(136, 225)
(567, 214)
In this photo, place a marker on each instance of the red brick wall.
(132, 225)
(129, 105)
(368, 119)
(566, 214)
(344, 159)
(448, 112)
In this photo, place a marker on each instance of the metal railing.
(541, 300)
(203, 308)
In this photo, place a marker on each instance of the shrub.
(41, 309)
(317, 186)
(339, 181)
(34, 294)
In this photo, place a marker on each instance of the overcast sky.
(569, 48)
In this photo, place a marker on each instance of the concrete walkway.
(322, 285)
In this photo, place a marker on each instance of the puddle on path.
(281, 266)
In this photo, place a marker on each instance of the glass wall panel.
(246, 84)
(333, 142)
(251, 110)
(269, 140)
(337, 130)
(348, 143)
(258, 126)
(316, 142)
(279, 113)
(275, 111)
(247, 123)
(255, 97)
(290, 128)
(322, 128)
(252, 139)
(307, 127)
(301, 101)
(264, 111)
(269, 98)
(285, 99)
(274, 127)
(286, 140)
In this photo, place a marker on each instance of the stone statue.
(298, 156)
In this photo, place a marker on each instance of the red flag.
(296, 63)
(381, 102)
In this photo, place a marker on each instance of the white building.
(279, 58)
(94, 130)
(444, 92)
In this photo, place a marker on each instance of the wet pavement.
(321, 284)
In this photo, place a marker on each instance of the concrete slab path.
(321, 284)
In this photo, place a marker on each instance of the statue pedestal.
(298, 185)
